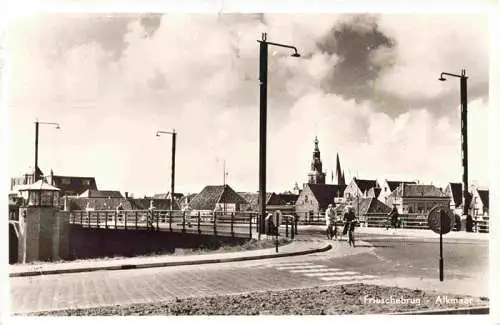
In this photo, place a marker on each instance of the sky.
(366, 85)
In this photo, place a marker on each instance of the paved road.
(387, 259)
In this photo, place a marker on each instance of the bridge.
(223, 224)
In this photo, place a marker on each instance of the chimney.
(126, 195)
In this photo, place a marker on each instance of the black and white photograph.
(248, 163)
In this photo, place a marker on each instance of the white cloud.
(428, 44)
(199, 75)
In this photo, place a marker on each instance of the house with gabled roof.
(480, 203)
(315, 198)
(217, 197)
(387, 187)
(274, 201)
(417, 198)
(252, 199)
(91, 193)
(71, 185)
(455, 194)
(362, 188)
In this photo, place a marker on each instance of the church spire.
(339, 172)
(316, 176)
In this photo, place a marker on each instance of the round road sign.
(440, 216)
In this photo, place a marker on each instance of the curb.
(164, 264)
(457, 311)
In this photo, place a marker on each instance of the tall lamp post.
(37, 123)
(172, 184)
(463, 117)
(263, 122)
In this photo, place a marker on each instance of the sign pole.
(441, 262)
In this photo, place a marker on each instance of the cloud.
(199, 75)
(426, 45)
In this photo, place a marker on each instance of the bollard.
(232, 224)
(170, 220)
(286, 227)
(215, 224)
(250, 225)
(199, 217)
(184, 221)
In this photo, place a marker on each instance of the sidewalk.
(296, 247)
(416, 233)
(423, 233)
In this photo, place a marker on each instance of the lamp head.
(58, 127)
(157, 134)
(442, 78)
(296, 55)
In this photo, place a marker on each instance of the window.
(420, 207)
(86, 182)
(65, 181)
(306, 199)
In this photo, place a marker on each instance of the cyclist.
(349, 224)
(393, 217)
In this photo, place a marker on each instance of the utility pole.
(37, 123)
(263, 55)
(172, 176)
(463, 117)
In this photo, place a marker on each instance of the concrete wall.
(44, 234)
(93, 243)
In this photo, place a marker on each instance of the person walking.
(329, 219)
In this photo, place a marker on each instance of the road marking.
(313, 270)
(355, 277)
(301, 267)
(288, 264)
(330, 273)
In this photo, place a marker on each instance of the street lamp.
(263, 122)
(172, 185)
(37, 123)
(463, 114)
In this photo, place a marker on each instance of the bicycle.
(350, 233)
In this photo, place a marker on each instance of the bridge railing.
(235, 224)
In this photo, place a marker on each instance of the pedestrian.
(329, 218)
(119, 212)
(335, 228)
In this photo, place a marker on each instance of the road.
(381, 260)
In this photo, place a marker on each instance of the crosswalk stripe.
(354, 277)
(289, 264)
(301, 267)
(331, 273)
(314, 270)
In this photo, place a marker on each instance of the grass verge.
(332, 300)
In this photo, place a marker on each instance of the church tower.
(316, 176)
